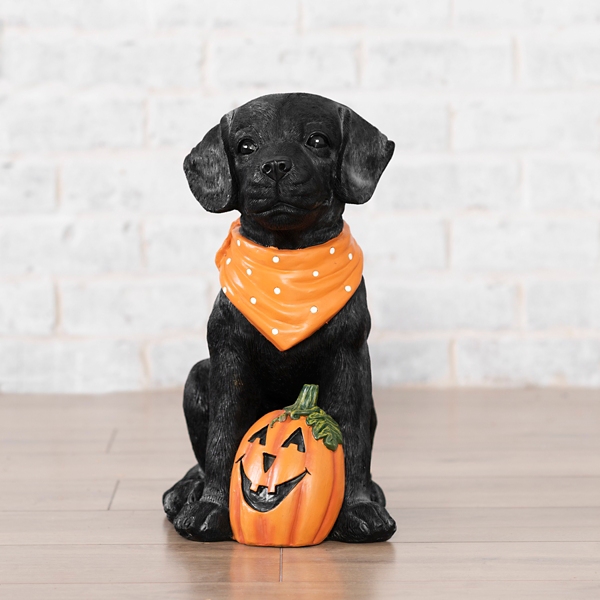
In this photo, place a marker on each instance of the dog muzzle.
(289, 294)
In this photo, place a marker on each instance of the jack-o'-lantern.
(287, 482)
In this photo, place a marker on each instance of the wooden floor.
(496, 495)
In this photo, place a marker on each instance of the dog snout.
(277, 168)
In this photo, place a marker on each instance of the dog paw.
(188, 490)
(365, 521)
(203, 521)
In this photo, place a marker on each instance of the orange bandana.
(289, 294)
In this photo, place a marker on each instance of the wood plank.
(189, 563)
(423, 492)
(497, 524)
(478, 463)
(507, 492)
(87, 528)
(46, 467)
(355, 590)
(412, 441)
(141, 494)
(145, 414)
(36, 494)
(57, 446)
(414, 525)
(386, 463)
(332, 562)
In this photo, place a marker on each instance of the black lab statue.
(289, 163)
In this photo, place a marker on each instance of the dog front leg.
(347, 397)
(207, 518)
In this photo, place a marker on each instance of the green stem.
(322, 425)
(307, 399)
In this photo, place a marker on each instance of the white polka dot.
(274, 331)
(331, 250)
(249, 271)
(227, 261)
(276, 259)
(224, 290)
(239, 243)
(253, 300)
(348, 288)
(315, 273)
(313, 309)
(277, 291)
(350, 256)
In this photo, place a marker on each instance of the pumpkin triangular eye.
(296, 438)
(260, 435)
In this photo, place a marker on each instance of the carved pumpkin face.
(286, 486)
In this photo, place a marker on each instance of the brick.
(451, 184)
(134, 307)
(395, 244)
(518, 245)
(184, 245)
(526, 13)
(27, 307)
(147, 184)
(27, 186)
(432, 306)
(565, 183)
(65, 246)
(268, 14)
(49, 122)
(406, 362)
(514, 362)
(413, 125)
(123, 60)
(438, 63)
(377, 13)
(184, 120)
(73, 366)
(100, 14)
(574, 304)
(551, 122)
(171, 360)
(289, 62)
(562, 61)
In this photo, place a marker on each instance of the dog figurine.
(289, 163)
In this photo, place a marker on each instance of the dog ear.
(208, 168)
(364, 155)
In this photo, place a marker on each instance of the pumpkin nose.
(268, 460)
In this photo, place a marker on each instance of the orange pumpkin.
(287, 482)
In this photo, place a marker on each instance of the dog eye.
(247, 146)
(317, 140)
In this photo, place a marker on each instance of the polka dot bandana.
(289, 294)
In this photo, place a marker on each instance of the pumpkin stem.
(307, 399)
(322, 425)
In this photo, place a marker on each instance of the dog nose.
(277, 168)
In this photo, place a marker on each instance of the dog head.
(287, 160)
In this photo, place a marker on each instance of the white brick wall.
(482, 242)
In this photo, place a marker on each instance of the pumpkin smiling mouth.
(262, 500)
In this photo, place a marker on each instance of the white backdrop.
(482, 241)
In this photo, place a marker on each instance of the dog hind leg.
(195, 408)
